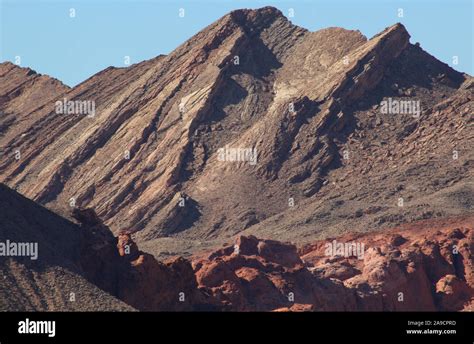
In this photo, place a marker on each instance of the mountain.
(320, 151)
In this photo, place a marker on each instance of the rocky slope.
(309, 103)
(56, 280)
(81, 266)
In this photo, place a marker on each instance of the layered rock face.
(23, 94)
(302, 110)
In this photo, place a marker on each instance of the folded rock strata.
(251, 80)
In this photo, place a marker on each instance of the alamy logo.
(400, 107)
(75, 107)
(345, 249)
(237, 154)
(37, 327)
(19, 249)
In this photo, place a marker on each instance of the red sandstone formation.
(424, 266)
(116, 265)
(148, 284)
(427, 266)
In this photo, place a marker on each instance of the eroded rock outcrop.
(427, 266)
(116, 265)
(150, 285)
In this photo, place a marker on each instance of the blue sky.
(103, 32)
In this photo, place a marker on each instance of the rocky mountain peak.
(249, 113)
(255, 20)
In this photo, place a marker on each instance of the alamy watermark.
(28, 326)
(344, 249)
(237, 154)
(75, 107)
(400, 107)
(19, 249)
